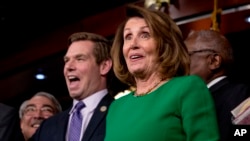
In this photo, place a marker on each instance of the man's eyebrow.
(44, 105)
(47, 105)
(80, 55)
(30, 105)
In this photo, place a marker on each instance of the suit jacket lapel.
(98, 116)
(62, 126)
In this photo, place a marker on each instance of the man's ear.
(215, 61)
(21, 124)
(105, 67)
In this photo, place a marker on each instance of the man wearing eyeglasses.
(211, 58)
(33, 111)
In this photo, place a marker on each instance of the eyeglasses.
(31, 110)
(190, 53)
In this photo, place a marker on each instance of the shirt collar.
(91, 101)
(211, 83)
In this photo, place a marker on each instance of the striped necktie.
(76, 123)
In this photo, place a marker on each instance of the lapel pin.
(103, 108)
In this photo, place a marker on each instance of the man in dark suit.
(9, 124)
(211, 58)
(87, 71)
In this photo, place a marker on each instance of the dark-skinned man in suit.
(212, 58)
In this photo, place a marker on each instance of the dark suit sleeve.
(9, 124)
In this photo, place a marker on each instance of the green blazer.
(182, 109)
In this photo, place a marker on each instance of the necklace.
(149, 90)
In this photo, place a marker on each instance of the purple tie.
(76, 123)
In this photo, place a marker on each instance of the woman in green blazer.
(167, 103)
